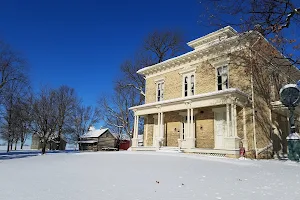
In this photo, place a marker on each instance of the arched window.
(222, 78)
(192, 85)
(186, 86)
(160, 91)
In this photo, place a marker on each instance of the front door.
(220, 125)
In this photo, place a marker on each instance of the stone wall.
(172, 128)
(279, 133)
(148, 130)
(204, 128)
(205, 78)
(205, 81)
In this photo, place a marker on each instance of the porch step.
(170, 149)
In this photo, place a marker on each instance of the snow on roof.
(94, 133)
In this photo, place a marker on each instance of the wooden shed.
(55, 142)
(98, 139)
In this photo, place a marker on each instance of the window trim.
(222, 61)
(162, 82)
(189, 83)
(216, 71)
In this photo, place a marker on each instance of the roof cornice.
(222, 33)
(186, 58)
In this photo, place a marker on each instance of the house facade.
(212, 99)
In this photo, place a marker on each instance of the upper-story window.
(222, 78)
(188, 85)
(186, 90)
(160, 91)
(192, 84)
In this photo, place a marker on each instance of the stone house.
(218, 97)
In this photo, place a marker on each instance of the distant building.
(102, 139)
(97, 139)
(55, 142)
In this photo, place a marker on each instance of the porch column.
(188, 123)
(192, 131)
(135, 131)
(228, 120)
(162, 125)
(245, 141)
(192, 124)
(235, 120)
(232, 121)
(158, 127)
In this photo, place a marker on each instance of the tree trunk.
(16, 143)
(44, 149)
(11, 146)
(22, 141)
(7, 146)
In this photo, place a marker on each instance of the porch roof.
(199, 100)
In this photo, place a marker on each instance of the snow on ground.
(145, 175)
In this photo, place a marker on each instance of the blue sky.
(82, 43)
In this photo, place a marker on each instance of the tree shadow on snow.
(24, 154)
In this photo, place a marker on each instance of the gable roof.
(94, 133)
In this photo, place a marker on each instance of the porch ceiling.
(232, 95)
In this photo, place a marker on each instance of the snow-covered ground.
(145, 175)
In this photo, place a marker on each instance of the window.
(192, 85)
(189, 85)
(222, 78)
(185, 86)
(160, 91)
(183, 130)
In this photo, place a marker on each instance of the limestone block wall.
(172, 87)
(204, 128)
(148, 130)
(205, 78)
(279, 133)
(172, 128)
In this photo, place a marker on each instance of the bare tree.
(66, 101)
(24, 117)
(12, 65)
(277, 20)
(12, 92)
(164, 45)
(268, 64)
(115, 111)
(81, 119)
(45, 116)
(157, 47)
(130, 89)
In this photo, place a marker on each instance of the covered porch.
(212, 122)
